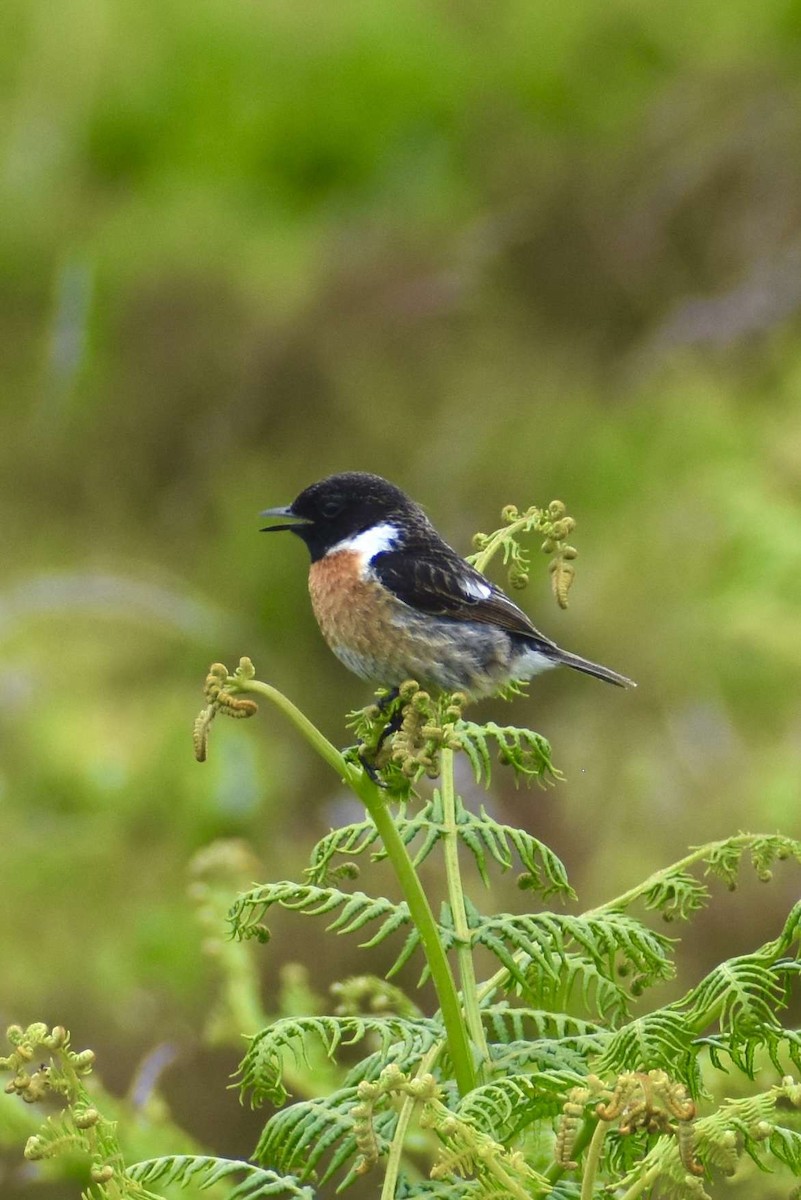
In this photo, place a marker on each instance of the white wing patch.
(475, 588)
(369, 542)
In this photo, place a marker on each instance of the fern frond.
(467, 1151)
(781, 1045)
(578, 981)
(261, 1070)
(504, 1108)
(568, 1058)
(743, 996)
(659, 1040)
(526, 752)
(351, 840)
(742, 993)
(548, 1041)
(297, 1139)
(437, 1189)
(723, 859)
(204, 1172)
(358, 909)
(358, 838)
(748, 1125)
(677, 895)
(610, 940)
(481, 834)
(507, 1024)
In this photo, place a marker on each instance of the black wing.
(435, 580)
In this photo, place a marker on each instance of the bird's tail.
(567, 659)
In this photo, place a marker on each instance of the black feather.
(434, 579)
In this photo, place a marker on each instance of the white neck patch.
(369, 542)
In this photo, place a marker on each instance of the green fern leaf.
(780, 1045)
(506, 1107)
(507, 1024)
(741, 993)
(350, 841)
(724, 858)
(577, 982)
(299, 1137)
(526, 752)
(261, 1070)
(437, 1189)
(204, 1172)
(481, 834)
(545, 1056)
(547, 938)
(662, 1039)
(677, 895)
(785, 1144)
(248, 911)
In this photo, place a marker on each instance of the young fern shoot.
(547, 1073)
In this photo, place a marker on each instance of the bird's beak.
(293, 523)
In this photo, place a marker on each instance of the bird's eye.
(331, 508)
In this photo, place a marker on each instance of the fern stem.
(404, 1118)
(316, 740)
(621, 902)
(499, 539)
(370, 795)
(458, 1044)
(557, 1170)
(464, 953)
(592, 1160)
(640, 1185)
(696, 855)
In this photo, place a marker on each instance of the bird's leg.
(390, 698)
(392, 726)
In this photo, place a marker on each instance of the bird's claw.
(358, 754)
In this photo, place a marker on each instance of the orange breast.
(354, 614)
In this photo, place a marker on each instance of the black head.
(341, 506)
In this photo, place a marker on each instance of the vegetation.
(547, 1078)
(489, 254)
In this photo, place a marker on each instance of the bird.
(395, 602)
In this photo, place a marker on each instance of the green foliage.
(203, 1172)
(261, 1071)
(483, 836)
(550, 1076)
(526, 752)
(554, 1022)
(549, 1068)
(184, 186)
(552, 524)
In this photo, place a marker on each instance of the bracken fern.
(550, 1076)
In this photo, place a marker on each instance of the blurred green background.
(499, 253)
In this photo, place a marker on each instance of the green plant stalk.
(592, 1160)
(698, 854)
(640, 1185)
(464, 953)
(556, 1170)
(398, 1142)
(370, 795)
